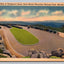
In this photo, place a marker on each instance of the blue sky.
(31, 13)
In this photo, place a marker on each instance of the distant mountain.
(46, 23)
(52, 24)
(15, 22)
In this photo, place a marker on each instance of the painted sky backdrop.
(31, 13)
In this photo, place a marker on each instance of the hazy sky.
(31, 13)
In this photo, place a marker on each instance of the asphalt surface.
(47, 41)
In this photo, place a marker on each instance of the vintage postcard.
(31, 31)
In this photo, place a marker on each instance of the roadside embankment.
(61, 34)
(8, 46)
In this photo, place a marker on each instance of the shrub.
(1, 51)
(55, 57)
(26, 57)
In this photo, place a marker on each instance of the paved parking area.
(47, 41)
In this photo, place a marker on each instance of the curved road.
(47, 41)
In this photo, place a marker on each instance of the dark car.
(47, 29)
(41, 28)
(54, 31)
(50, 30)
(0, 37)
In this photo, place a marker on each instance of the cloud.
(25, 12)
(2, 11)
(29, 15)
(13, 12)
(43, 18)
(33, 13)
(57, 13)
(43, 11)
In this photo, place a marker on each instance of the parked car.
(50, 30)
(41, 28)
(0, 37)
(46, 29)
(0, 27)
(54, 31)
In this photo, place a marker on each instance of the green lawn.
(23, 36)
